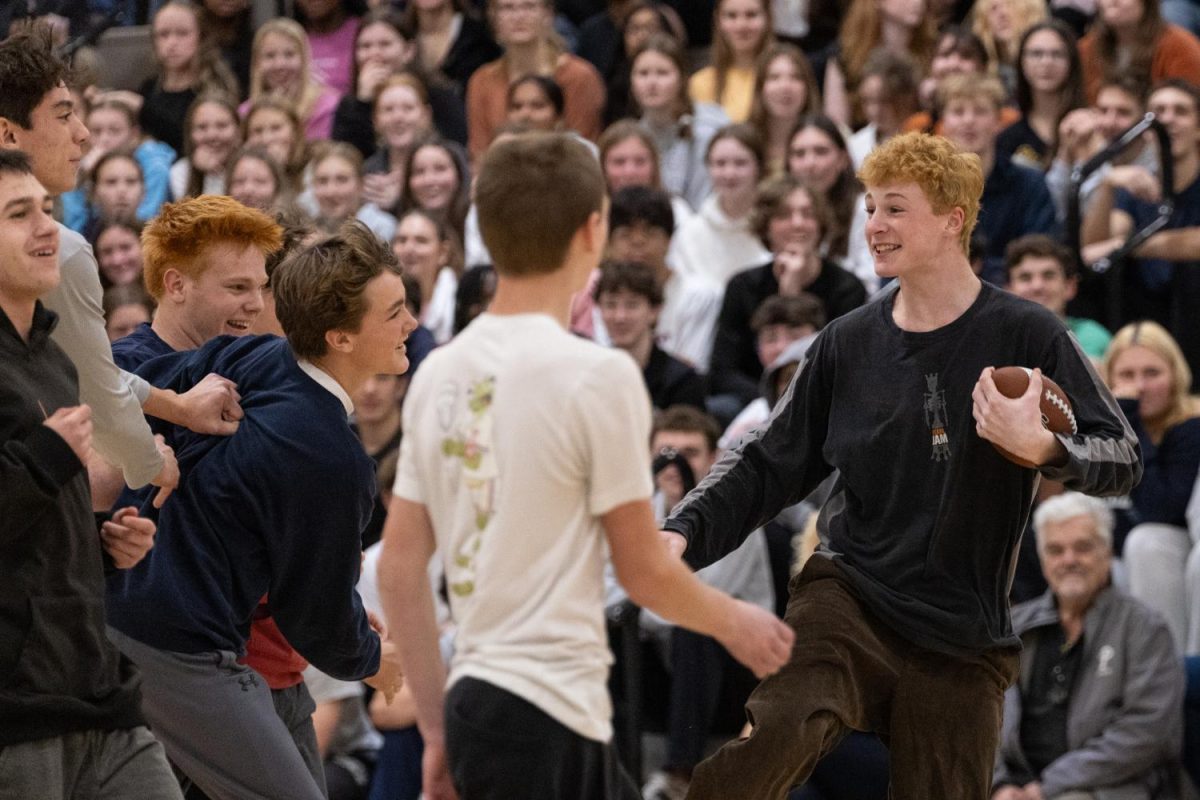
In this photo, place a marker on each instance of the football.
(1057, 415)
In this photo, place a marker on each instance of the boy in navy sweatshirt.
(278, 509)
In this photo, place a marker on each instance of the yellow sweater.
(738, 95)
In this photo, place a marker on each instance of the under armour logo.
(247, 682)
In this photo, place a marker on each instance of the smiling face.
(628, 317)
(628, 163)
(176, 38)
(784, 93)
(281, 63)
(214, 127)
(815, 158)
(1042, 280)
(28, 241)
(380, 43)
(272, 129)
(54, 141)
(901, 228)
(252, 184)
(655, 81)
(1117, 110)
(337, 188)
(1045, 61)
(795, 228)
(225, 299)
(119, 255)
(118, 188)
(434, 179)
(418, 248)
(1075, 560)
(400, 116)
(1150, 375)
(379, 344)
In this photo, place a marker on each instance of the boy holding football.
(901, 618)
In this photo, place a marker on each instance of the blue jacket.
(278, 508)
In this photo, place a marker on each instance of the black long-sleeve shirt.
(925, 515)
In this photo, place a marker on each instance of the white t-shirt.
(518, 438)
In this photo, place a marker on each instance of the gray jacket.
(1125, 717)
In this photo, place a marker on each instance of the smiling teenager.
(38, 116)
(70, 703)
(901, 620)
(281, 505)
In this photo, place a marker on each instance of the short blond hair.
(971, 86)
(182, 232)
(949, 177)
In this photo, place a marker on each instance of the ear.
(595, 233)
(174, 284)
(8, 134)
(339, 341)
(955, 221)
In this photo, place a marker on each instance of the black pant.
(503, 747)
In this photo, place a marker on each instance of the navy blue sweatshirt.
(58, 671)
(278, 508)
(925, 516)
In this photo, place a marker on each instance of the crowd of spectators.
(729, 132)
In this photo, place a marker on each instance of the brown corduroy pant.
(939, 715)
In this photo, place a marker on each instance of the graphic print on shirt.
(935, 418)
(471, 441)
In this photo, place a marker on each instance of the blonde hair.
(1025, 14)
(949, 177)
(1156, 339)
(970, 86)
(310, 87)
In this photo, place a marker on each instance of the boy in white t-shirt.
(523, 463)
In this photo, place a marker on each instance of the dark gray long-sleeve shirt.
(925, 516)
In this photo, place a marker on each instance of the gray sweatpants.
(88, 765)
(217, 720)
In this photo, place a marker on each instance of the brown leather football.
(1057, 415)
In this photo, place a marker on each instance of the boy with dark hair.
(70, 701)
(38, 116)
(1043, 271)
(630, 300)
(901, 618)
(1160, 283)
(519, 488)
(640, 224)
(278, 506)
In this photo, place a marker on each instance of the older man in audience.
(1097, 711)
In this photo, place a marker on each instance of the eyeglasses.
(1050, 55)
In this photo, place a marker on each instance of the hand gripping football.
(1057, 415)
